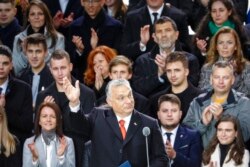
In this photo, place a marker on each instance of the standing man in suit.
(16, 98)
(137, 37)
(116, 131)
(183, 145)
(71, 108)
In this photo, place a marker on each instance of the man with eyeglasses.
(94, 28)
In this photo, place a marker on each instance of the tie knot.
(168, 136)
(121, 122)
(155, 14)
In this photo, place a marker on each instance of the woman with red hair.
(96, 75)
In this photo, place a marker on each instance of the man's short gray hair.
(116, 83)
(223, 64)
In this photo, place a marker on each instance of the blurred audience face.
(222, 80)
(121, 100)
(120, 71)
(59, 69)
(226, 133)
(219, 13)
(226, 45)
(36, 55)
(110, 3)
(165, 35)
(36, 18)
(47, 119)
(101, 65)
(155, 4)
(176, 73)
(92, 7)
(169, 114)
(5, 68)
(7, 13)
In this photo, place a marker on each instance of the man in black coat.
(137, 37)
(71, 108)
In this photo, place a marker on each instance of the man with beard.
(183, 145)
(149, 73)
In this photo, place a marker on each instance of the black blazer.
(141, 17)
(19, 109)
(108, 147)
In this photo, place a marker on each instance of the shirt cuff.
(35, 163)
(75, 109)
(78, 52)
(161, 79)
(142, 47)
(61, 159)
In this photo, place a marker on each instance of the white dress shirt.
(63, 4)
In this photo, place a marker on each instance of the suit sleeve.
(70, 154)
(158, 155)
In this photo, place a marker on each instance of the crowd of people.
(98, 83)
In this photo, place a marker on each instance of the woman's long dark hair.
(57, 111)
(237, 149)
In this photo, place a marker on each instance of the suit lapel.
(134, 125)
(180, 138)
(40, 148)
(113, 123)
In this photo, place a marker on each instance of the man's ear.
(154, 37)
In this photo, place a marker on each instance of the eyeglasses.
(92, 2)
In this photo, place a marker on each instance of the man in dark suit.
(94, 28)
(177, 70)
(120, 67)
(71, 107)
(116, 131)
(16, 98)
(183, 145)
(137, 37)
(149, 69)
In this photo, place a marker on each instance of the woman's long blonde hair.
(7, 140)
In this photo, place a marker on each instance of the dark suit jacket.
(19, 109)
(145, 78)
(73, 6)
(108, 147)
(188, 147)
(45, 77)
(141, 17)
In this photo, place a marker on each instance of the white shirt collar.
(159, 11)
(63, 4)
(126, 119)
(172, 137)
(4, 86)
